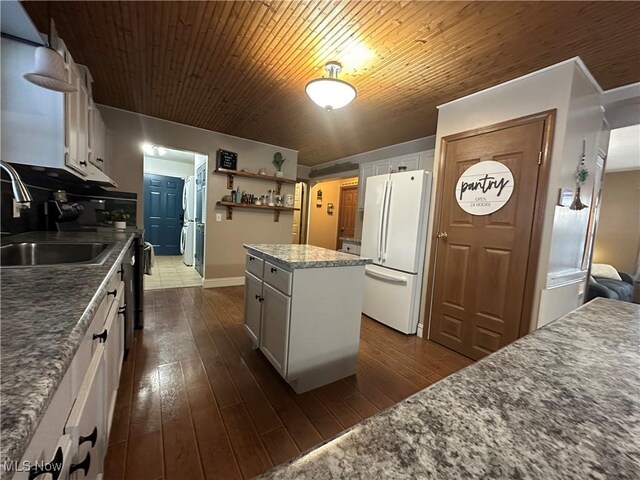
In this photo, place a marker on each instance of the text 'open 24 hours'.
(484, 188)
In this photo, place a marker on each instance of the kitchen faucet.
(20, 192)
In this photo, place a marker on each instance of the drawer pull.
(83, 163)
(53, 468)
(274, 270)
(92, 437)
(251, 259)
(83, 465)
(113, 292)
(122, 309)
(101, 336)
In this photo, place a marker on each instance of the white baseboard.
(222, 282)
(420, 329)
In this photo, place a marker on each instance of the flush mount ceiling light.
(153, 150)
(331, 93)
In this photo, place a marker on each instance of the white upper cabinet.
(414, 161)
(44, 128)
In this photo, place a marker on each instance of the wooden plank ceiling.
(241, 67)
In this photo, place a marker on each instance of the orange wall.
(323, 228)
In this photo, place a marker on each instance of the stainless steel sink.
(35, 254)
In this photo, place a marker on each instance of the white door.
(373, 217)
(274, 331)
(402, 243)
(114, 351)
(252, 307)
(86, 423)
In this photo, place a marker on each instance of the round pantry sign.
(484, 188)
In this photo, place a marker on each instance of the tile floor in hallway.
(171, 272)
(197, 402)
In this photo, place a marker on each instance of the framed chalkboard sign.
(227, 160)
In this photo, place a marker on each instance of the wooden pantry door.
(485, 264)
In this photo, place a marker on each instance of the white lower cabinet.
(252, 306)
(305, 321)
(87, 422)
(274, 329)
(73, 435)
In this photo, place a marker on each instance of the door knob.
(442, 235)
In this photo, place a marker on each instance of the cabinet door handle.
(101, 336)
(251, 259)
(53, 468)
(261, 299)
(83, 163)
(273, 270)
(257, 297)
(122, 309)
(92, 437)
(121, 272)
(83, 465)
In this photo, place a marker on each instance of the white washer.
(187, 242)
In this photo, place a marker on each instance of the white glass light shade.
(330, 93)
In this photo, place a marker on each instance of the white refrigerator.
(188, 239)
(394, 234)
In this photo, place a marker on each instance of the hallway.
(171, 272)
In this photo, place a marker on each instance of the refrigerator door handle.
(387, 209)
(386, 277)
(381, 220)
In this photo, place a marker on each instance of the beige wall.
(323, 228)
(224, 255)
(578, 116)
(618, 236)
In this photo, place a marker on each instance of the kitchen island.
(562, 402)
(302, 310)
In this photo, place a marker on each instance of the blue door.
(163, 214)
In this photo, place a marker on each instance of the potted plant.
(278, 160)
(118, 218)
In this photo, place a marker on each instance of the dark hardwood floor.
(196, 401)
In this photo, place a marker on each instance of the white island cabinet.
(302, 310)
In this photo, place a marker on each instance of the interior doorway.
(348, 206)
(300, 215)
(325, 210)
(171, 215)
(483, 263)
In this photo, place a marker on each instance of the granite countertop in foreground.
(562, 402)
(45, 312)
(306, 256)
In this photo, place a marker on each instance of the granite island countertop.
(562, 402)
(45, 312)
(305, 256)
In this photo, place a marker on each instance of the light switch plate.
(218, 217)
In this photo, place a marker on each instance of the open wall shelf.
(236, 173)
(276, 210)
